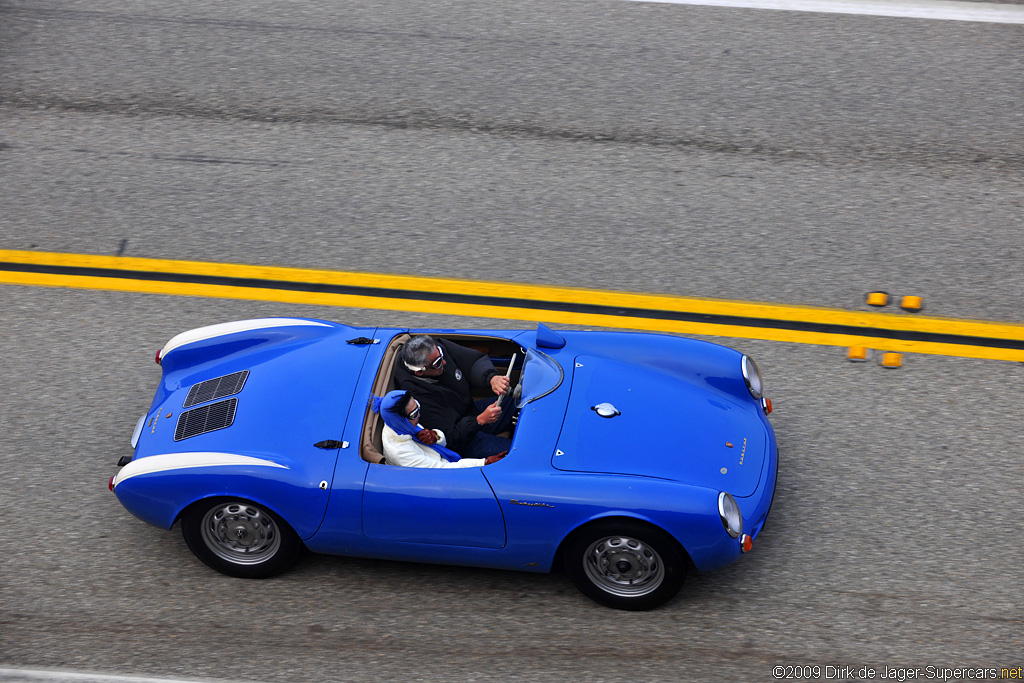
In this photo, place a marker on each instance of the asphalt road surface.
(734, 153)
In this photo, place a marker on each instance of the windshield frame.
(544, 359)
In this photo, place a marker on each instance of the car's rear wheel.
(239, 538)
(625, 564)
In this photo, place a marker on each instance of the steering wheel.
(517, 394)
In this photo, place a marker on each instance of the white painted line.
(58, 676)
(947, 10)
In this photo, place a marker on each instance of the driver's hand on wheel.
(489, 416)
(500, 384)
(495, 458)
(427, 436)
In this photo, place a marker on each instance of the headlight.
(752, 376)
(729, 511)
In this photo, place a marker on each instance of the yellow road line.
(499, 300)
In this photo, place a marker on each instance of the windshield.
(541, 375)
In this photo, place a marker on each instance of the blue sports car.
(634, 457)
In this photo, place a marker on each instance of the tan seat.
(371, 443)
(372, 450)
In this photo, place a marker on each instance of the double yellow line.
(556, 305)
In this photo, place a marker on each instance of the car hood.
(665, 428)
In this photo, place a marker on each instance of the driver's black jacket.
(446, 401)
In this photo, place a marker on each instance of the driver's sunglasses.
(415, 411)
(439, 361)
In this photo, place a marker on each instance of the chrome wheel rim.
(240, 533)
(624, 566)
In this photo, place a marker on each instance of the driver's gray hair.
(417, 350)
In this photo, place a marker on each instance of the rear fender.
(216, 342)
(158, 488)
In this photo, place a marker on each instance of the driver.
(441, 375)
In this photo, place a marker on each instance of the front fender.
(705, 365)
(158, 488)
(689, 514)
(558, 505)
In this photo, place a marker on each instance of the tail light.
(158, 356)
(110, 484)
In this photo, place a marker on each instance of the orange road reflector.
(892, 360)
(910, 303)
(857, 353)
(878, 298)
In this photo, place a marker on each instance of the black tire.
(625, 564)
(239, 538)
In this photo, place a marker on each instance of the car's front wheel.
(239, 538)
(625, 564)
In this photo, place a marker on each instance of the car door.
(431, 506)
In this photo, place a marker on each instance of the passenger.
(407, 444)
(442, 375)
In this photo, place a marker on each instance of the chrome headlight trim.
(729, 512)
(138, 430)
(752, 376)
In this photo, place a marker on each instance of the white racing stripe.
(221, 329)
(948, 10)
(167, 462)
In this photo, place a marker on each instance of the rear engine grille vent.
(215, 388)
(205, 419)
